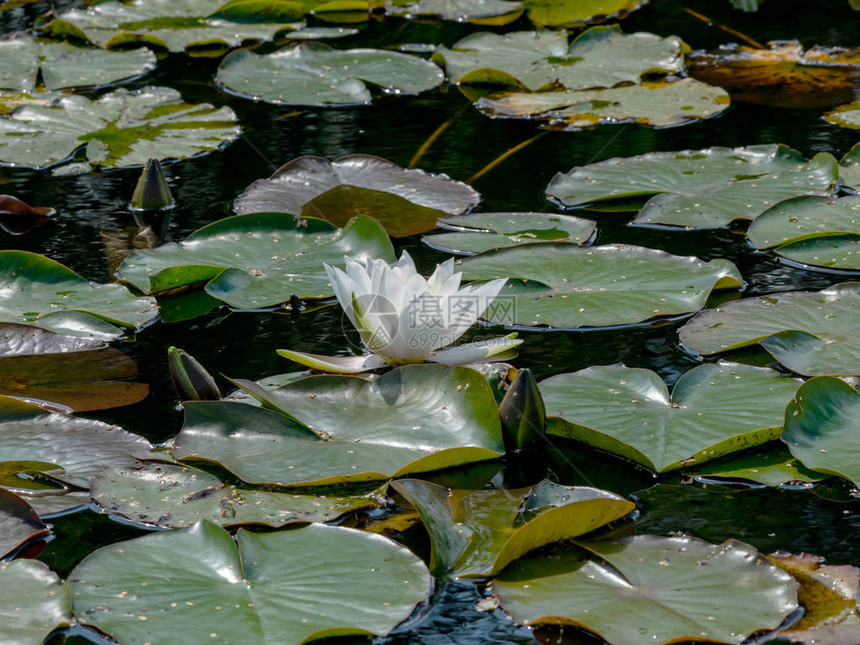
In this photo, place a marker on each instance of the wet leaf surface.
(32, 602)
(18, 523)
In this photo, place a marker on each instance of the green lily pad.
(177, 25)
(651, 589)
(18, 523)
(310, 73)
(478, 533)
(175, 496)
(613, 284)
(699, 188)
(849, 169)
(285, 587)
(766, 466)
(810, 332)
(560, 13)
(657, 105)
(812, 230)
(479, 232)
(714, 410)
(846, 116)
(78, 448)
(404, 201)
(32, 602)
(78, 372)
(64, 66)
(483, 12)
(599, 57)
(822, 425)
(122, 128)
(41, 292)
(416, 418)
(258, 260)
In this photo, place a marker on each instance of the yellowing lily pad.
(64, 66)
(846, 116)
(258, 260)
(658, 104)
(599, 57)
(651, 589)
(810, 332)
(714, 410)
(561, 13)
(310, 73)
(176, 496)
(120, 129)
(699, 188)
(567, 286)
(813, 231)
(270, 587)
(478, 232)
(404, 201)
(336, 429)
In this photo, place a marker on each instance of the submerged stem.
(495, 162)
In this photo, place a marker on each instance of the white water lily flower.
(403, 317)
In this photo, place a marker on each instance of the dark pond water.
(243, 344)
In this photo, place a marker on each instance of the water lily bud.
(152, 192)
(190, 379)
(523, 413)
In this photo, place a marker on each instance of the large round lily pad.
(258, 260)
(404, 201)
(651, 589)
(412, 419)
(42, 292)
(714, 410)
(699, 188)
(311, 73)
(654, 104)
(810, 332)
(822, 426)
(67, 449)
(285, 587)
(566, 286)
(122, 128)
(64, 66)
(478, 232)
(478, 533)
(177, 25)
(78, 372)
(176, 496)
(812, 230)
(32, 602)
(18, 523)
(599, 57)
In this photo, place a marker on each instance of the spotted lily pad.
(713, 410)
(33, 602)
(699, 188)
(814, 231)
(478, 232)
(810, 332)
(64, 66)
(846, 116)
(478, 533)
(412, 419)
(265, 588)
(658, 104)
(78, 449)
(822, 425)
(781, 75)
(310, 73)
(567, 286)
(484, 12)
(599, 57)
(18, 523)
(849, 169)
(122, 128)
(45, 293)
(177, 25)
(651, 589)
(254, 261)
(404, 201)
(174, 496)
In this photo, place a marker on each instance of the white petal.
(335, 364)
(473, 352)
